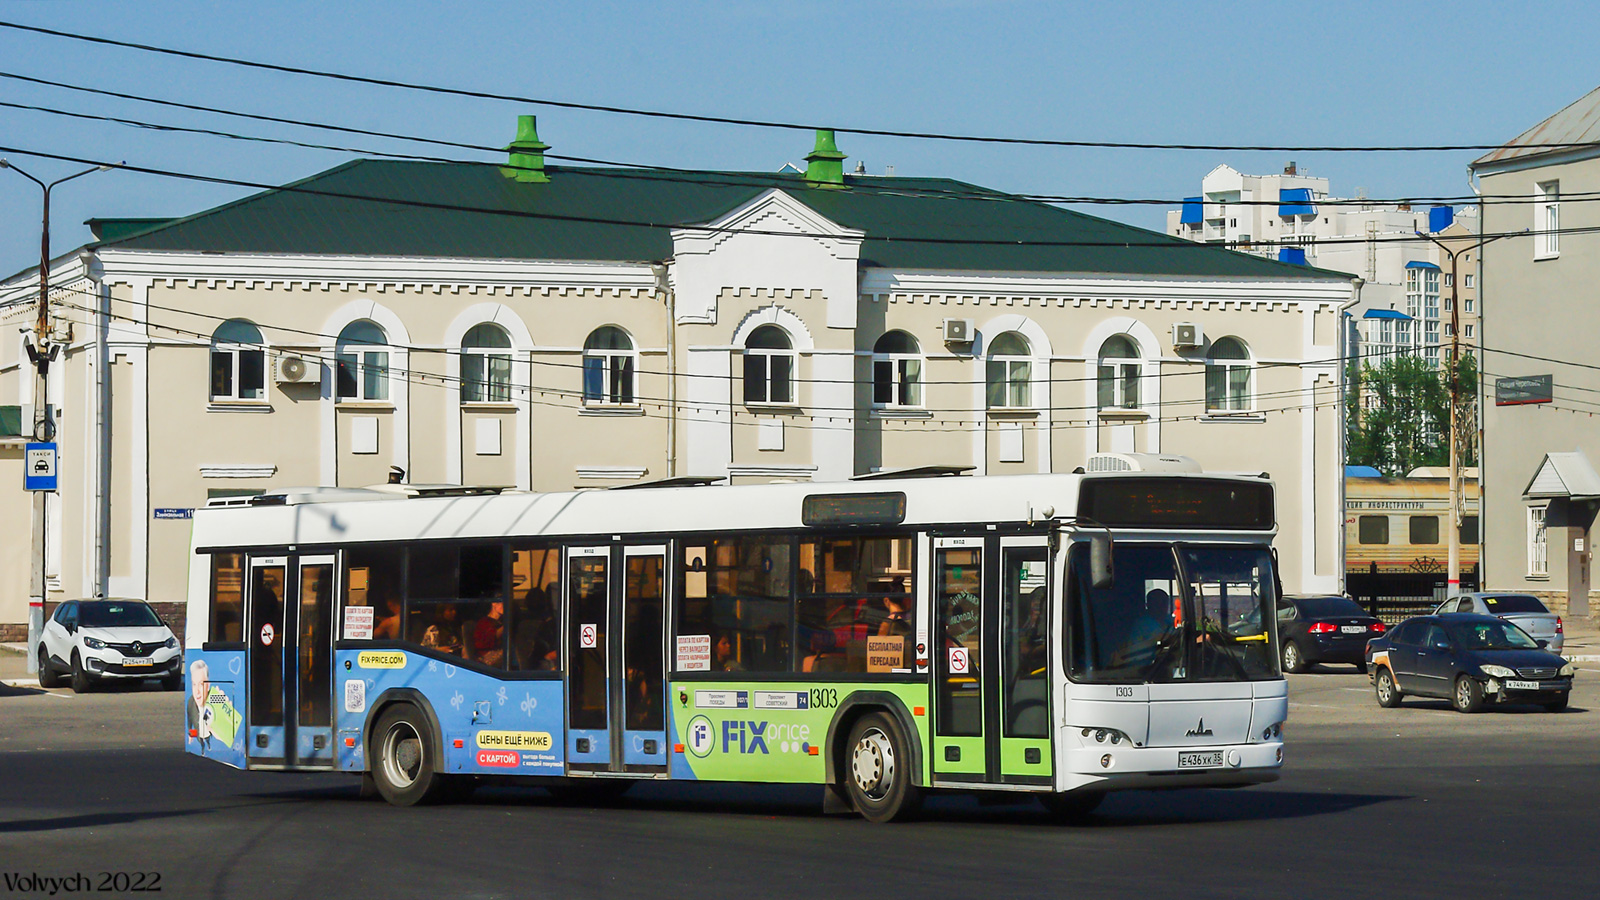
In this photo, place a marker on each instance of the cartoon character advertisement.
(213, 723)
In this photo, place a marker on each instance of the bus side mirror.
(1101, 573)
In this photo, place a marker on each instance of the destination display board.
(854, 509)
(1124, 502)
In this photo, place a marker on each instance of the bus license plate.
(140, 661)
(1523, 685)
(1211, 759)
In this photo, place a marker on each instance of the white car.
(91, 640)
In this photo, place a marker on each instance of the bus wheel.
(403, 767)
(878, 770)
(1074, 806)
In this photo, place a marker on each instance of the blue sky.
(1235, 73)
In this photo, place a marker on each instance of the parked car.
(91, 640)
(1526, 610)
(1469, 660)
(1323, 628)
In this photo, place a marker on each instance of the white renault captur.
(92, 640)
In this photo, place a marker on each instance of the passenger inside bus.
(388, 627)
(444, 632)
(488, 636)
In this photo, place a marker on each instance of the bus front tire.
(403, 767)
(1074, 806)
(877, 770)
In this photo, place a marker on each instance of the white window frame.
(768, 355)
(495, 387)
(1013, 372)
(1120, 372)
(1469, 329)
(618, 369)
(904, 378)
(1547, 220)
(236, 366)
(1232, 402)
(369, 365)
(1538, 541)
(1467, 280)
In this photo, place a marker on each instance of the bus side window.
(736, 592)
(535, 608)
(852, 590)
(227, 597)
(372, 578)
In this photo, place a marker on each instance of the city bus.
(1062, 635)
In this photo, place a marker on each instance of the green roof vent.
(527, 153)
(825, 164)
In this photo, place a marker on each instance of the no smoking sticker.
(958, 661)
(588, 636)
(267, 634)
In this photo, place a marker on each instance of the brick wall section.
(174, 614)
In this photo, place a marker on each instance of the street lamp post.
(41, 351)
(1453, 587)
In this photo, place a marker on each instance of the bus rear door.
(991, 667)
(290, 662)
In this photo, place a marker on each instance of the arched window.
(768, 366)
(238, 362)
(1118, 377)
(896, 370)
(362, 357)
(1010, 372)
(1228, 368)
(486, 365)
(608, 366)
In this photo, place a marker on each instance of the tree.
(1398, 414)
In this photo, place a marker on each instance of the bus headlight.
(1102, 735)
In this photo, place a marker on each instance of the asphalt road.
(1418, 801)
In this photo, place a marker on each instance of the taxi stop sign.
(39, 473)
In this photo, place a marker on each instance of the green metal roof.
(402, 208)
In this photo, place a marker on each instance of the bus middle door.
(588, 655)
(991, 632)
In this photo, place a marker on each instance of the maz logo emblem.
(1199, 730)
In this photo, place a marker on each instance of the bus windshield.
(1185, 613)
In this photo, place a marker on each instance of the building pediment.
(1567, 475)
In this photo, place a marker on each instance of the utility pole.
(1453, 586)
(41, 352)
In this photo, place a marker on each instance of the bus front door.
(616, 669)
(992, 669)
(290, 662)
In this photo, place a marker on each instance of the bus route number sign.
(853, 509)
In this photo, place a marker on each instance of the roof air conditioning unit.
(1142, 462)
(297, 370)
(1188, 334)
(958, 331)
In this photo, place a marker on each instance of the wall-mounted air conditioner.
(1188, 334)
(297, 370)
(958, 331)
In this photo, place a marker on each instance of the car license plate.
(1353, 629)
(1523, 685)
(1211, 759)
(138, 661)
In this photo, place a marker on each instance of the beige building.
(1540, 438)
(545, 328)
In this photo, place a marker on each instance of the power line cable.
(664, 173)
(754, 123)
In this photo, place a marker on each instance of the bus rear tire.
(403, 767)
(1072, 807)
(877, 770)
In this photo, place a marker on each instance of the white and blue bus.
(1062, 635)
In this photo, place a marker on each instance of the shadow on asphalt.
(1123, 809)
(10, 690)
(1508, 709)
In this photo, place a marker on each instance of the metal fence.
(1394, 597)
